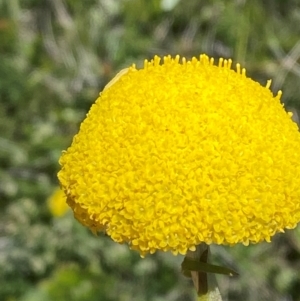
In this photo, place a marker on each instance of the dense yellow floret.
(180, 153)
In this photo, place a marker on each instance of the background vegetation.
(55, 57)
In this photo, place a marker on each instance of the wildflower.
(57, 203)
(182, 153)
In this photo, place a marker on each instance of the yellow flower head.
(184, 152)
(57, 203)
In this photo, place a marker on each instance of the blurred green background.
(55, 57)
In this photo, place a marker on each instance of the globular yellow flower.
(57, 203)
(183, 152)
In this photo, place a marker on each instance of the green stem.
(205, 283)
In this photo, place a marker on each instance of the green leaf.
(189, 265)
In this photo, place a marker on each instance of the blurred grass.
(55, 57)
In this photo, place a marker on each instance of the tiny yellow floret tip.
(182, 152)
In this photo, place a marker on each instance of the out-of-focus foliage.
(55, 57)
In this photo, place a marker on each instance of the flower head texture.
(183, 152)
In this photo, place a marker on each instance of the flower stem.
(205, 283)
